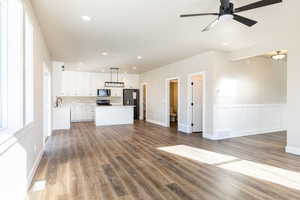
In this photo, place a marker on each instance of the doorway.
(47, 115)
(144, 91)
(173, 103)
(172, 111)
(196, 102)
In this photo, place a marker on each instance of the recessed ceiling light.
(225, 44)
(103, 70)
(78, 68)
(104, 53)
(139, 57)
(86, 18)
(134, 68)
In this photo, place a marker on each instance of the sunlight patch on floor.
(265, 172)
(256, 170)
(197, 154)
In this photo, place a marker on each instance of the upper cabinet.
(74, 83)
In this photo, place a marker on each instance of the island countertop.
(114, 106)
(113, 115)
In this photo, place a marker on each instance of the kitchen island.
(113, 115)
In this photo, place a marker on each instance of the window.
(29, 72)
(17, 67)
(3, 64)
(11, 69)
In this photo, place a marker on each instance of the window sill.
(6, 141)
(4, 135)
(8, 137)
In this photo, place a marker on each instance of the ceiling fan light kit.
(228, 12)
(278, 56)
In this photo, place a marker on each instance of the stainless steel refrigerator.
(132, 97)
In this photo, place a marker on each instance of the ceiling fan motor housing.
(226, 8)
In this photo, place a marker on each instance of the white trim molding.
(293, 150)
(35, 167)
(156, 122)
(204, 103)
(184, 128)
(142, 100)
(247, 119)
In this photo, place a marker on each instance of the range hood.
(117, 83)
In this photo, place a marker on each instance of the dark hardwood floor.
(124, 162)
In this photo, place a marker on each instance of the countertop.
(115, 106)
(63, 106)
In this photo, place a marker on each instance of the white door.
(47, 115)
(197, 103)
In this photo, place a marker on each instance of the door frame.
(142, 100)
(189, 98)
(47, 82)
(167, 101)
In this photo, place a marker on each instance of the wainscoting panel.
(251, 119)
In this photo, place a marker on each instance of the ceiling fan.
(227, 11)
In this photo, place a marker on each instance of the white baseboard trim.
(184, 128)
(293, 150)
(227, 135)
(35, 167)
(156, 122)
(209, 136)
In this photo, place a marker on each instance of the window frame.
(15, 67)
(3, 63)
(28, 70)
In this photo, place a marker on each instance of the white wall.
(293, 99)
(289, 40)
(257, 80)
(20, 154)
(250, 96)
(156, 89)
(257, 85)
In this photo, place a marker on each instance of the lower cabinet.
(82, 112)
(61, 118)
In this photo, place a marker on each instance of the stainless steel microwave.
(103, 92)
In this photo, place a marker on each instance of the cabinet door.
(99, 81)
(67, 83)
(74, 115)
(71, 85)
(93, 84)
(88, 84)
(63, 88)
(84, 83)
(117, 92)
(112, 92)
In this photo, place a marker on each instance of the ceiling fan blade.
(211, 25)
(244, 20)
(257, 5)
(200, 14)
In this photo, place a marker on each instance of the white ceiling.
(152, 29)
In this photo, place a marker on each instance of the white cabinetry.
(116, 92)
(82, 112)
(82, 84)
(61, 118)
